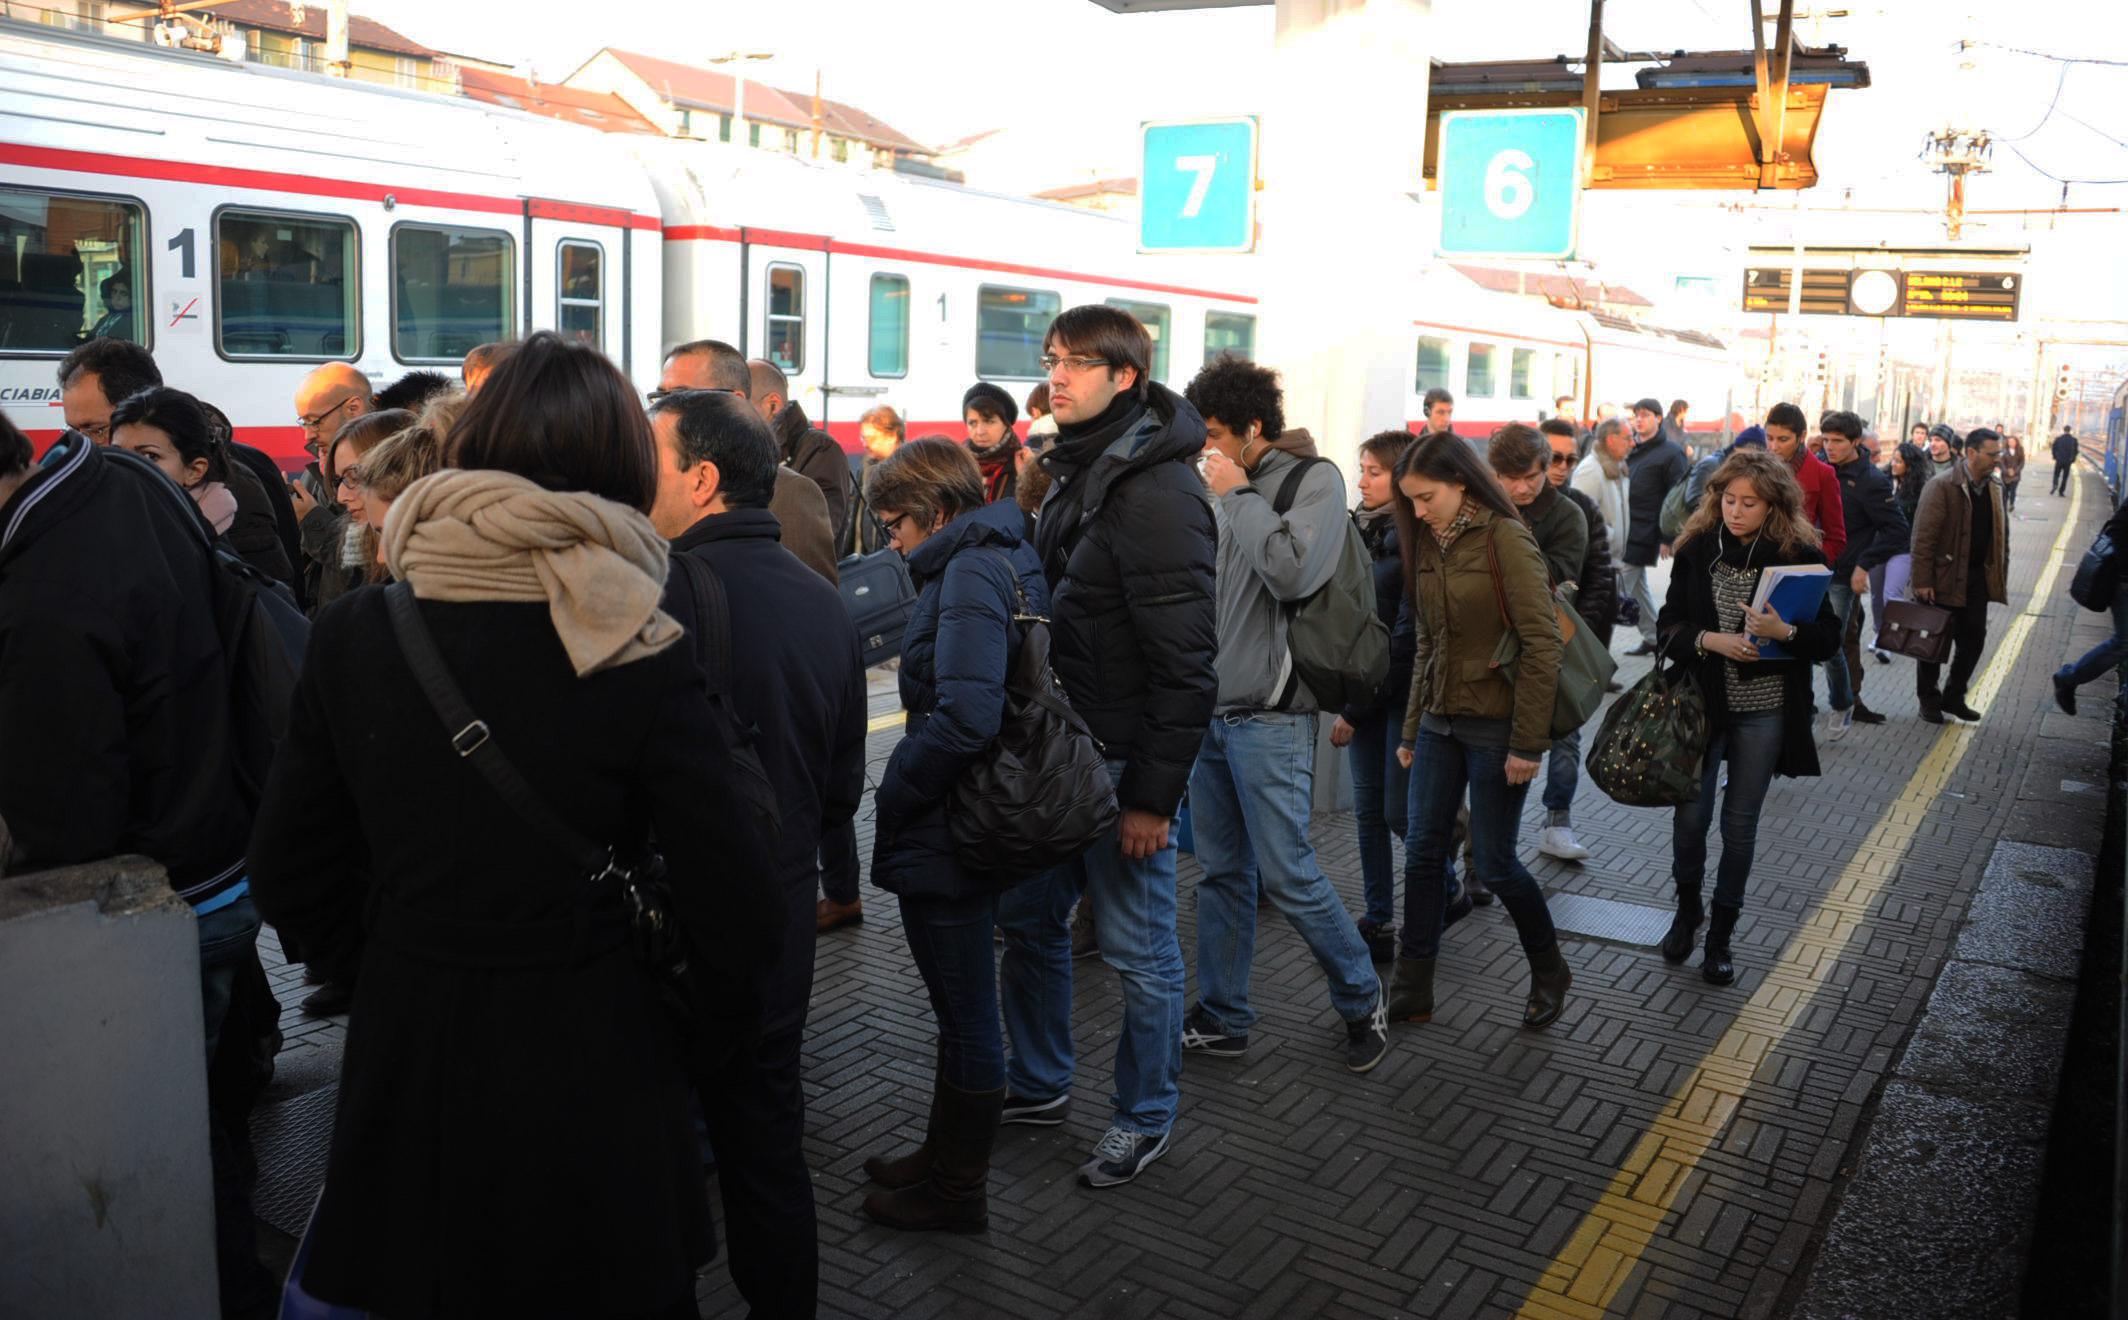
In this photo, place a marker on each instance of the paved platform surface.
(1668, 1148)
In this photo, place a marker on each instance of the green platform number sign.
(1197, 186)
(1510, 182)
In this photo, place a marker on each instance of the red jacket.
(1821, 500)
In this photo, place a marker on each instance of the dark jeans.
(2106, 655)
(2009, 495)
(951, 940)
(1381, 797)
(1443, 767)
(838, 863)
(1969, 637)
(2061, 477)
(1751, 744)
(754, 1108)
(229, 963)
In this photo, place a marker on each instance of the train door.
(787, 316)
(578, 275)
(874, 337)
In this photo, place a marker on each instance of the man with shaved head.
(328, 399)
(803, 447)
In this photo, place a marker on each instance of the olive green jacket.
(1459, 631)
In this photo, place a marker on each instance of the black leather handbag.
(1040, 793)
(2098, 575)
(636, 880)
(878, 593)
(1649, 749)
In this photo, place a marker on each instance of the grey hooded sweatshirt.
(1269, 563)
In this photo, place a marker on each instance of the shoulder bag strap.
(712, 622)
(1289, 489)
(471, 739)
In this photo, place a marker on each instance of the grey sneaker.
(1121, 1156)
(1201, 1034)
(1036, 1113)
(1367, 1039)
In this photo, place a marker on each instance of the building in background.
(1114, 195)
(270, 32)
(600, 110)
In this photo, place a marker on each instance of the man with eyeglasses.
(1961, 563)
(329, 398)
(1127, 541)
(96, 377)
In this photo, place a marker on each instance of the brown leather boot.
(830, 915)
(1411, 991)
(955, 1194)
(1549, 979)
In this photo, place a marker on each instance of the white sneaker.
(1842, 721)
(1559, 841)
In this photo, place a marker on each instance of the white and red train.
(263, 221)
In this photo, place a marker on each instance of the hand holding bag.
(1649, 749)
(1040, 793)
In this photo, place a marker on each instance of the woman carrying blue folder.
(1758, 708)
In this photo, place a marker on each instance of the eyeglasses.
(657, 397)
(313, 423)
(99, 432)
(890, 524)
(1076, 365)
(350, 479)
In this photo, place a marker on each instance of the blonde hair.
(1771, 480)
(412, 452)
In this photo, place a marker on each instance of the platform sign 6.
(1510, 182)
(1197, 186)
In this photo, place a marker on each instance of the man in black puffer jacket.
(1128, 544)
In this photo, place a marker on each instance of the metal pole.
(1592, 93)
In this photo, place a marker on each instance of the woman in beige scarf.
(509, 1051)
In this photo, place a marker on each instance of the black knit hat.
(994, 401)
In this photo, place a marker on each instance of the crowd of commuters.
(543, 614)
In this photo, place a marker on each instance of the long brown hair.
(1451, 460)
(1786, 523)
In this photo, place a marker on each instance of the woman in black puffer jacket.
(974, 572)
(1369, 729)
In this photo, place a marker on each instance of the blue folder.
(1795, 598)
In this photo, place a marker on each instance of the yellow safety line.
(881, 723)
(1587, 1274)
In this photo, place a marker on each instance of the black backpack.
(263, 638)
(1339, 645)
(712, 641)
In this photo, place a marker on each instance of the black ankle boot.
(1717, 966)
(954, 1194)
(1549, 980)
(910, 1169)
(1684, 927)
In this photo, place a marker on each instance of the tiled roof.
(1541, 284)
(708, 89)
(276, 16)
(599, 110)
(1098, 188)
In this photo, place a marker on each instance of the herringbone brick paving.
(1444, 1182)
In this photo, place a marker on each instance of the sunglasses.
(1558, 459)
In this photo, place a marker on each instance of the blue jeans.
(1839, 684)
(950, 939)
(1250, 797)
(1381, 792)
(1751, 744)
(1443, 768)
(1134, 920)
(2106, 655)
(1562, 772)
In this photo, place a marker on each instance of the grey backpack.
(1340, 646)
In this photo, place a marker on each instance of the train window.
(1522, 364)
(890, 325)
(786, 316)
(1566, 375)
(452, 291)
(1478, 381)
(71, 268)
(1154, 317)
(1433, 365)
(579, 291)
(1010, 325)
(1229, 332)
(286, 286)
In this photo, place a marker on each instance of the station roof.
(707, 89)
(276, 16)
(600, 110)
(1570, 290)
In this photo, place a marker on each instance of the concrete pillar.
(1344, 142)
(1344, 137)
(106, 1192)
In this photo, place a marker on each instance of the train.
(248, 223)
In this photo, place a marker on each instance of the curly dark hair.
(1236, 392)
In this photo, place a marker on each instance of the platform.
(1668, 1148)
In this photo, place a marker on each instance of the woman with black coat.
(513, 1134)
(1758, 709)
(975, 573)
(1369, 729)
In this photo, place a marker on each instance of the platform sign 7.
(1197, 186)
(1510, 182)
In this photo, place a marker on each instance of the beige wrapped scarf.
(463, 536)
